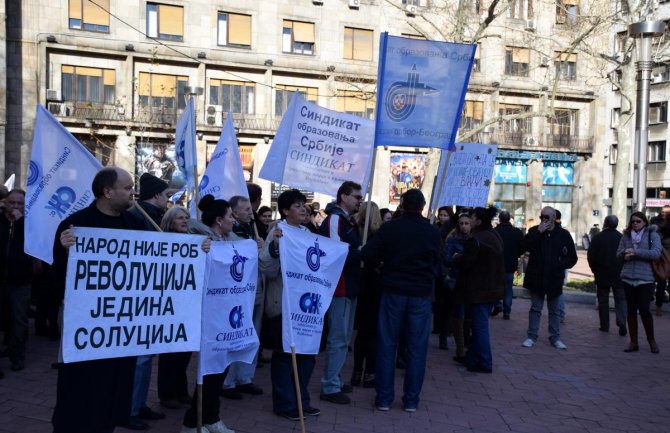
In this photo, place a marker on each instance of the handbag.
(661, 266)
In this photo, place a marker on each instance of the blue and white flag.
(59, 183)
(311, 266)
(467, 179)
(174, 198)
(224, 175)
(9, 183)
(184, 149)
(316, 149)
(421, 87)
(228, 333)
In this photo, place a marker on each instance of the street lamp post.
(643, 32)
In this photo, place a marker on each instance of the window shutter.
(75, 9)
(96, 15)
(170, 20)
(520, 55)
(239, 29)
(303, 32)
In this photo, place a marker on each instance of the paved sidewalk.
(591, 387)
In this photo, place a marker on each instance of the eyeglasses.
(545, 217)
(357, 197)
(636, 221)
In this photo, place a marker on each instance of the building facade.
(117, 74)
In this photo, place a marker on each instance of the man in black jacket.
(511, 237)
(552, 251)
(408, 249)
(607, 270)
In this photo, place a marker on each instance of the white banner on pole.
(311, 266)
(132, 293)
(228, 333)
(317, 149)
(468, 177)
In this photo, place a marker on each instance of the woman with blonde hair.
(365, 321)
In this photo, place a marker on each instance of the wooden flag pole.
(198, 416)
(146, 215)
(367, 208)
(298, 395)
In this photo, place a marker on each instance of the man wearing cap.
(150, 210)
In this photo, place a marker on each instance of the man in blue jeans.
(407, 250)
(511, 237)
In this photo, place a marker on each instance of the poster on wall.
(509, 171)
(408, 171)
(558, 173)
(158, 158)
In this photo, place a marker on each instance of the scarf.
(636, 237)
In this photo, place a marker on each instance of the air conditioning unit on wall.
(354, 4)
(214, 115)
(410, 10)
(53, 95)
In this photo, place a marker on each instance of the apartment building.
(117, 74)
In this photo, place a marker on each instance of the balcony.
(573, 143)
(525, 140)
(85, 110)
(253, 122)
(157, 116)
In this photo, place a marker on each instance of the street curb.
(569, 296)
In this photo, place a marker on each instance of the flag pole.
(296, 380)
(147, 217)
(439, 187)
(367, 208)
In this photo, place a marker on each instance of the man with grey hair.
(606, 270)
(552, 251)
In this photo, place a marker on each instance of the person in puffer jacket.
(639, 246)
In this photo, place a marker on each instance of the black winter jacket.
(338, 225)
(511, 237)
(551, 253)
(602, 258)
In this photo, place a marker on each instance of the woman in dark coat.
(481, 283)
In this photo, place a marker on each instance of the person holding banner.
(291, 205)
(217, 223)
(408, 250)
(95, 396)
(341, 225)
(481, 283)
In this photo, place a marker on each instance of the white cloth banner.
(228, 333)
(316, 149)
(468, 177)
(131, 293)
(59, 183)
(311, 266)
(9, 183)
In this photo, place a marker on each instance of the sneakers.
(185, 429)
(336, 397)
(528, 342)
(410, 409)
(558, 344)
(218, 427)
(311, 411)
(383, 407)
(291, 415)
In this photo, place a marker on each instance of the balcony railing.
(84, 110)
(570, 142)
(157, 115)
(527, 140)
(254, 122)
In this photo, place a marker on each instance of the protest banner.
(422, 87)
(59, 183)
(311, 266)
(228, 333)
(132, 293)
(467, 178)
(224, 175)
(317, 149)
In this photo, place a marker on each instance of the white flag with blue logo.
(59, 183)
(466, 179)
(311, 266)
(184, 145)
(316, 149)
(228, 333)
(9, 183)
(224, 175)
(421, 88)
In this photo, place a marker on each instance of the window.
(614, 153)
(521, 10)
(233, 96)
(620, 41)
(476, 64)
(660, 74)
(420, 3)
(477, 7)
(656, 152)
(82, 84)
(284, 93)
(567, 11)
(564, 122)
(616, 116)
(234, 30)
(85, 15)
(473, 115)
(565, 65)
(298, 37)
(515, 125)
(517, 61)
(165, 22)
(357, 44)
(164, 92)
(358, 103)
(658, 112)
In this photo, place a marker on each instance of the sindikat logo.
(401, 96)
(33, 173)
(61, 201)
(314, 255)
(235, 317)
(310, 303)
(203, 183)
(237, 268)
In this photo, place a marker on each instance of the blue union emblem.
(401, 96)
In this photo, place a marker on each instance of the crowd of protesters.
(402, 276)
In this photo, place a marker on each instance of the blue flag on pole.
(224, 175)
(421, 87)
(184, 141)
(59, 183)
